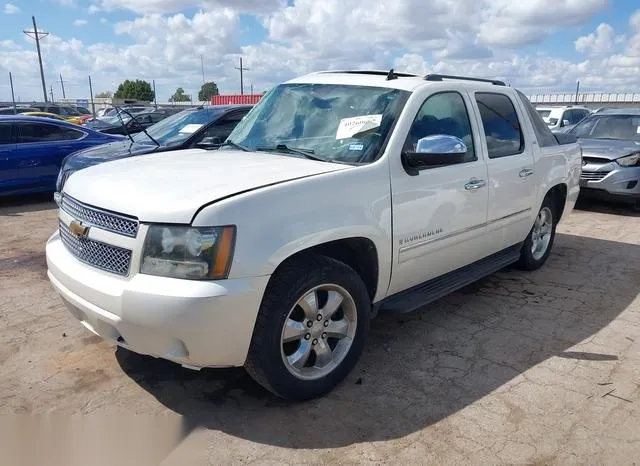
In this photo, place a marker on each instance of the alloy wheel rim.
(318, 332)
(541, 235)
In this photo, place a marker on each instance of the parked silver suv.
(610, 143)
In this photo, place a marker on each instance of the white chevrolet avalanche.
(340, 195)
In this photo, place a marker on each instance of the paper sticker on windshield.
(356, 146)
(350, 126)
(638, 129)
(189, 129)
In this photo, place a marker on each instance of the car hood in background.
(104, 152)
(609, 149)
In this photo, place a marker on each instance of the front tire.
(311, 328)
(537, 246)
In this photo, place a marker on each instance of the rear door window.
(501, 126)
(42, 132)
(5, 133)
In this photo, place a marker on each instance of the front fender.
(275, 222)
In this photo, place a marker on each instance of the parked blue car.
(32, 149)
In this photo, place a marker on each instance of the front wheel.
(537, 246)
(311, 328)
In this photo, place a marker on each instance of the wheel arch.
(358, 252)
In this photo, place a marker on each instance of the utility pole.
(241, 77)
(155, 97)
(64, 96)
(51, 91)
(93, 105)
(251, 88)
(577, 90)
(202, 64)
(13, 97)
(37, 35)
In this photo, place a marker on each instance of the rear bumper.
(195, 323)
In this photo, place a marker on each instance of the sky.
(535, 45)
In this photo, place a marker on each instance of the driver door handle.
(525, 172)
(474, 184)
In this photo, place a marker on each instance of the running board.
(432, 290)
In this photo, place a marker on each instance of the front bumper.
(194, 323)
(621, 183)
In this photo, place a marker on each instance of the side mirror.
(434, 151)
(209, 142)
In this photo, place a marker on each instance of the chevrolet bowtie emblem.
(78, 229)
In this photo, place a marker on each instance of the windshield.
(623, 127)
(174, 130)
(338, 123)
(544, 113)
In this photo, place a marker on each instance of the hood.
(105, 152)
(609, 149)
(170, 187)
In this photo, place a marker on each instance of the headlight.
(188, 252)
(629, 160)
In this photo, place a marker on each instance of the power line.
(241, 77)
(35, 34)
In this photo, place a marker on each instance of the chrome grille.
(100, 255)
(593, 176)
(115, 223)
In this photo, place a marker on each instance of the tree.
(138, 90)
(104, 95)
(179, 96)
(207, 91)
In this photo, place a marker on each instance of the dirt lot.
(539, 368)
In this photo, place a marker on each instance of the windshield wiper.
(235, 145)
(143, 128)
(306, 153)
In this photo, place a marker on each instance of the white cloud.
(634, 20)
(599, 42)
(80, 22)
(473, 37)
(10, 9)
(510, 23)
(173, 6)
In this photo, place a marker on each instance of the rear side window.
(543, 134)
(5, 133)
(501, 125)
(42, 132)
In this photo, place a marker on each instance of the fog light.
(632, 184)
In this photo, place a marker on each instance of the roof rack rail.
(374, 72)
(440, 77)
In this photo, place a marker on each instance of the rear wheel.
(537, 246)
(311, 328)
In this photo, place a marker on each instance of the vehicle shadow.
(602, 207)
(420, 368)
(12, 206)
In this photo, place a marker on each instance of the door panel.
(8, 160)
(40, 149)
(438, 223)
(512, 177)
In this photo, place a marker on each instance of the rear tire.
(537, 246)
(311, 328)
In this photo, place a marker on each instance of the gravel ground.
(537, 368)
